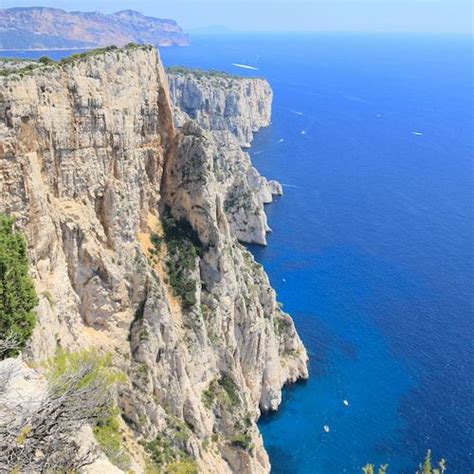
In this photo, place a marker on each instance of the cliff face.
(50, 28)
(232, 109)
(91, 165)
(222, 102)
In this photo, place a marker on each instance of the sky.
(435, 16)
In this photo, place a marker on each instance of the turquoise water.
(372, 249)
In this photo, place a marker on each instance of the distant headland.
(36, 28)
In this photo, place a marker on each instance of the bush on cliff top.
(201, 72)
(17, 293)
(47, 61)
(98, 51)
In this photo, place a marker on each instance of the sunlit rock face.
(94, 168)
(230, 109)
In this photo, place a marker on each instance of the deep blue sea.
(372, 245)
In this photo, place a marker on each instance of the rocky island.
(134, 194)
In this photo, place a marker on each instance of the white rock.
(88, 154)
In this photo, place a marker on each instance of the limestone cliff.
(133, 252)
(53, 28)
(232, 108)
(219, 101)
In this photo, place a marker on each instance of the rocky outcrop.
(52, 28)
(222, 102)
(133, 252)
(229, 109)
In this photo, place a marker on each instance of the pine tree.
(17, 293)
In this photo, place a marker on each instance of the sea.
(372, 247)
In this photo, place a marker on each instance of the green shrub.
(201, 72)
(20, 71)
(17, 293)
(182, 467)
(94, 367)
(165, 456)
(241, 440)
(223, 389)
(90, 374)
(156, 241)
(46, 60)
(87, 54)
(145, 47)
(281, 324)
(184, 247)
(209, 396)
(180, 431)
(107, 434)
(230, 389)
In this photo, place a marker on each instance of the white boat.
(326, 428)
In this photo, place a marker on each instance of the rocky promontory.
(53, 28)
(222, 102)
(133, 203)
(229, 110)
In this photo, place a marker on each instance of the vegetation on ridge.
(98, 51)
(201, 72)
(45, 61)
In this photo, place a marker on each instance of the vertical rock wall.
(92, 167)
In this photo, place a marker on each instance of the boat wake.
(245, 66)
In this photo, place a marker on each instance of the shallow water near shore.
(371, 251)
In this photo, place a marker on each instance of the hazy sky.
(279, 15)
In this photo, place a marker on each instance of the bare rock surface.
(230, 110)
(93, 167)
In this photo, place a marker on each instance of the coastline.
(83, 48)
